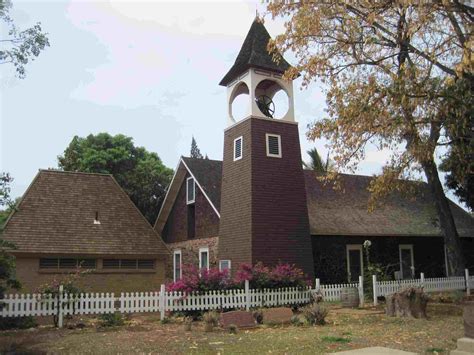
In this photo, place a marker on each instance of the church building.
(259, 205)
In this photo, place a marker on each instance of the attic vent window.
(238, 148)
(190, 190)
(273, 145)
(96, 220)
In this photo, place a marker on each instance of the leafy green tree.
(316, 163)
(7, 261)
(140, 173)
(387, 68)
(195, 152)
(18, 47)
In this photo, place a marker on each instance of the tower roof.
(254, 54)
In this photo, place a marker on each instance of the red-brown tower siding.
(264, 216)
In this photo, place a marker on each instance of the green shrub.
(233, 329)
(7, 323)
(315, 314)
(111, 320)
(298, 320)
(335, 339)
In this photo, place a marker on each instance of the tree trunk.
(452, 242)
(410, 302)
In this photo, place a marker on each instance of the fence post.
(422, 277)
(374, 282)
(162, 302)
(361, 291)
(468, 286)
(60, 306)
(247, 295)
(318, 285)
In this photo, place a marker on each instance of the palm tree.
(316, 163)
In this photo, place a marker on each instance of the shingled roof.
(333, 212)
(344, 212)
(56, 216)
(254, 54)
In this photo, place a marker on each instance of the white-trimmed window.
(407, 261)
(238, 147)
(190, 190)
(355, 262)
(224, 265)
(204, 258)
(273, 145)
(177, 262)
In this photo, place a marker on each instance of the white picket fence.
(437, 284)
(162, 301)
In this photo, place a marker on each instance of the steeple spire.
(254, 54)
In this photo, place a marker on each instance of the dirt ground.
(346, 329)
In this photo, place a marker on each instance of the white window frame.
(406, 247)
(354, 247)
(241, 147)
(279, 155)
(202, 250)
(177, 252)
(228, 261)
(188, 201)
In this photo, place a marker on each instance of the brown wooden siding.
(235, 231)
(264, 215)
(279, 209)
(206, 220)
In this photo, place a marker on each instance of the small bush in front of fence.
(211, 320)
(335, 339)
(315, 314)
(188, 322)
(233, 329)
(111, 319)
(258, 316)
(7, 323)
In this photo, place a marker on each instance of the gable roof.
(333, 212)
(207, 174)
(56, 216)
(254, 54)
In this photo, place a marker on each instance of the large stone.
(278, 315)
(241, 319)
(468, 316)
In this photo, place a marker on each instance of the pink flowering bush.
(201, 281)
(280, 276)
(259, 276)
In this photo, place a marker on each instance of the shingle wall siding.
(279, 211)
(235, 230)
(206, 220)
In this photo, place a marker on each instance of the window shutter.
(238, 148)
(273, 145)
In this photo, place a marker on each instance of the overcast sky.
(149, 70)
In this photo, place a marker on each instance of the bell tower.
(264, 216)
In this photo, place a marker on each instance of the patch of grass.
(335, 339)
(435, 350)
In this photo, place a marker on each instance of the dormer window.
(190, 190)
(96, 220)
(273, 145)
(238, 142)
